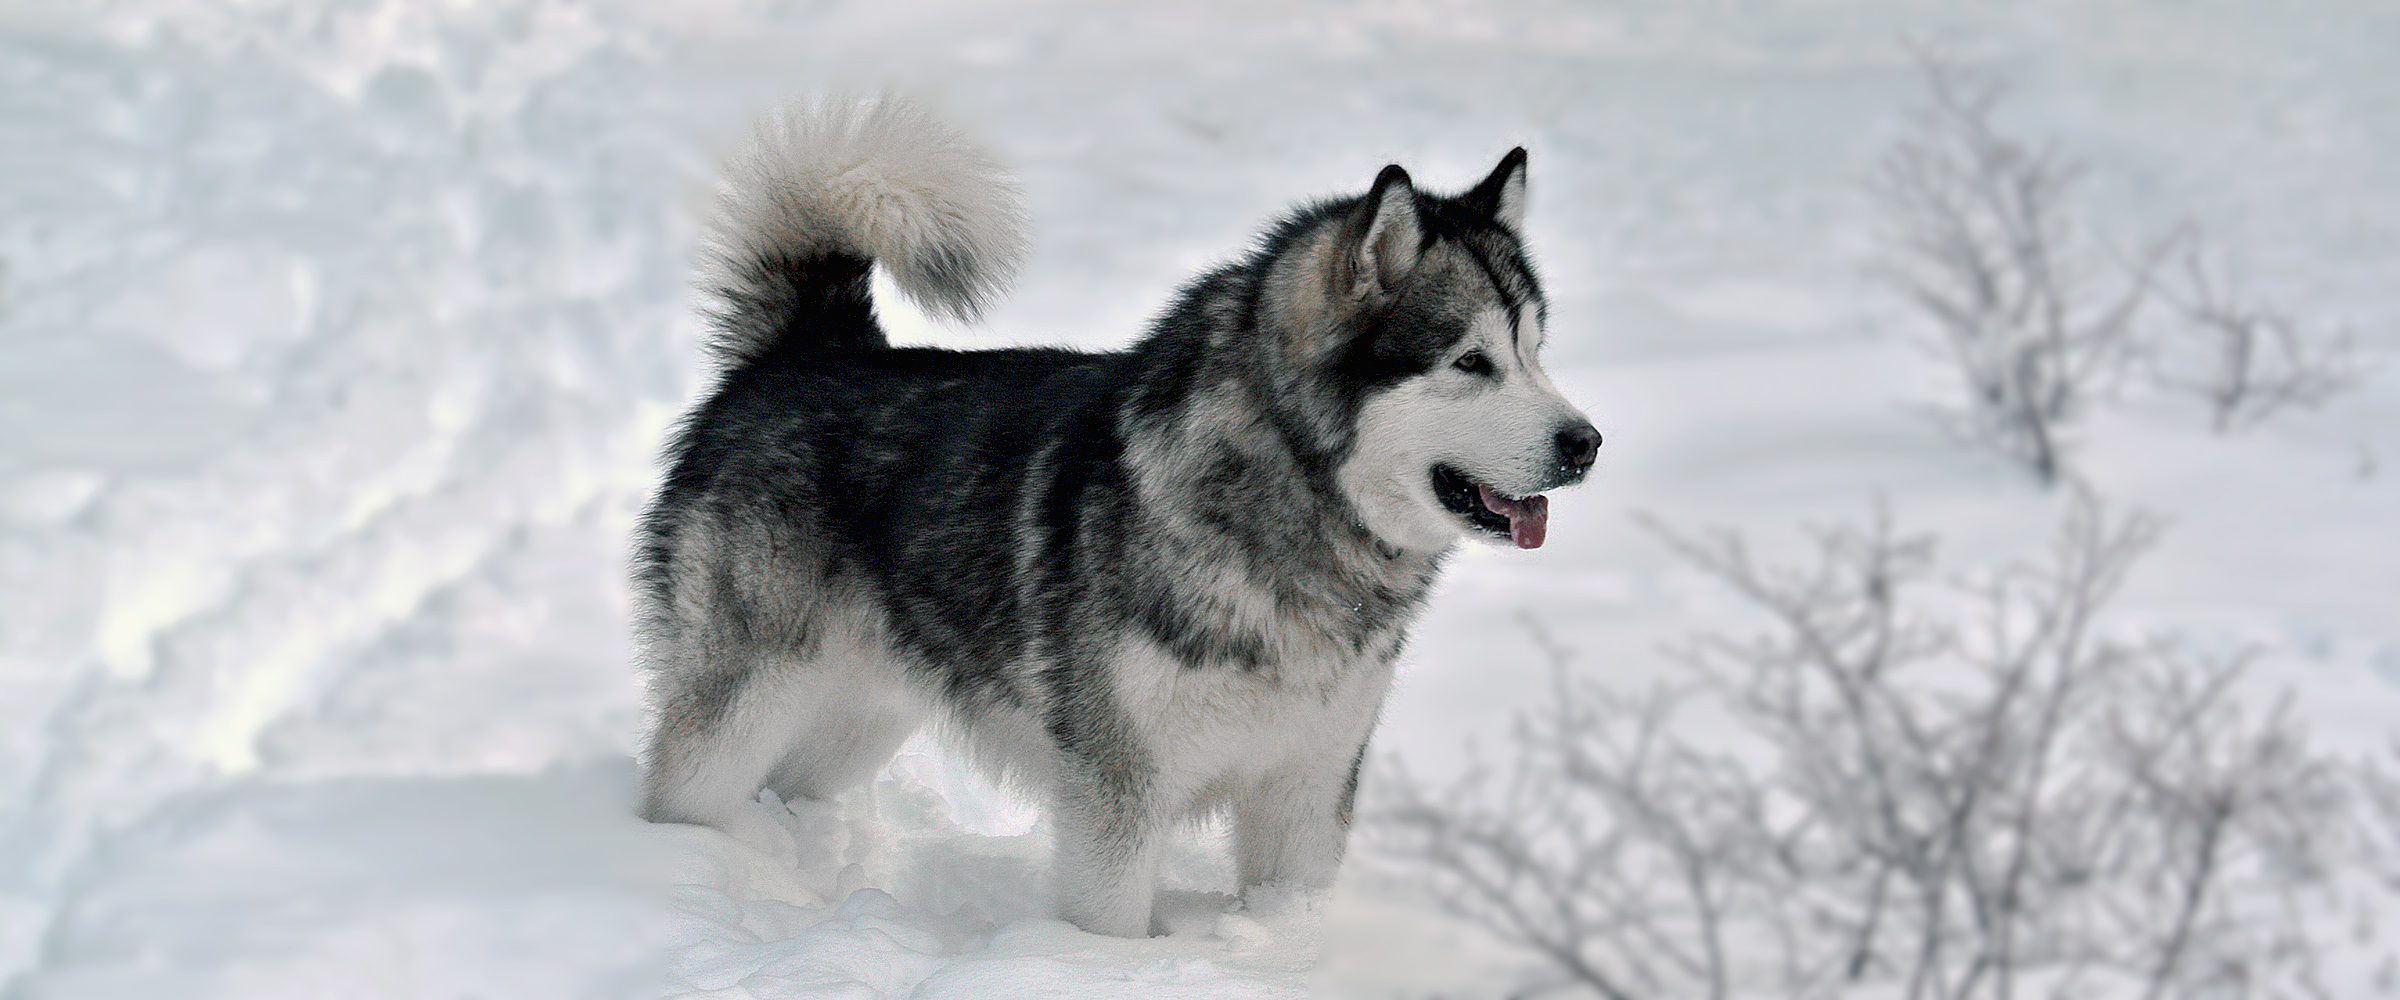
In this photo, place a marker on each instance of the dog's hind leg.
(807, 729)
(846, 720)
(713, 743)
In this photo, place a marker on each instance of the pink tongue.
(1528, 519)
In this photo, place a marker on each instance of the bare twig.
(1985, 245)
(2255, 361)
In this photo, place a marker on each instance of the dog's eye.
(1474, 363)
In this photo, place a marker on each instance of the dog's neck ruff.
(1307, 581)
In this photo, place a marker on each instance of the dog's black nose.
(1578, 445)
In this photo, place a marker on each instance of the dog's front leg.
(1289, 830)
(1108, 849)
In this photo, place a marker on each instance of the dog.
(1146, 585)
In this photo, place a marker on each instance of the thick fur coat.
(1144, 585)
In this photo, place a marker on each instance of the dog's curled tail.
(828, 188)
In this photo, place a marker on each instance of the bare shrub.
(1605, 847)
(1985, 244)
(1933, 790)
(2210, 800)
(2253, 360)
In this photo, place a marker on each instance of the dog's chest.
(1216, 725)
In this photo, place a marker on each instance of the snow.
(337, 341)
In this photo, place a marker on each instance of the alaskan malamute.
(1145, 584)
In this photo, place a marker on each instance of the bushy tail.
(826, 189)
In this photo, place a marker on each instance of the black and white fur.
(1151, 583)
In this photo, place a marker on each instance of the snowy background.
(337, 340)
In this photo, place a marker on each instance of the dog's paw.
(759, 829)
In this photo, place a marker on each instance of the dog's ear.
(1383, 236)
(1501, 197)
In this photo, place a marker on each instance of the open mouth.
(1524, 520)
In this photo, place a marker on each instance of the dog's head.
(1424, 311)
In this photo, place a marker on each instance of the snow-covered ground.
(337, 340)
